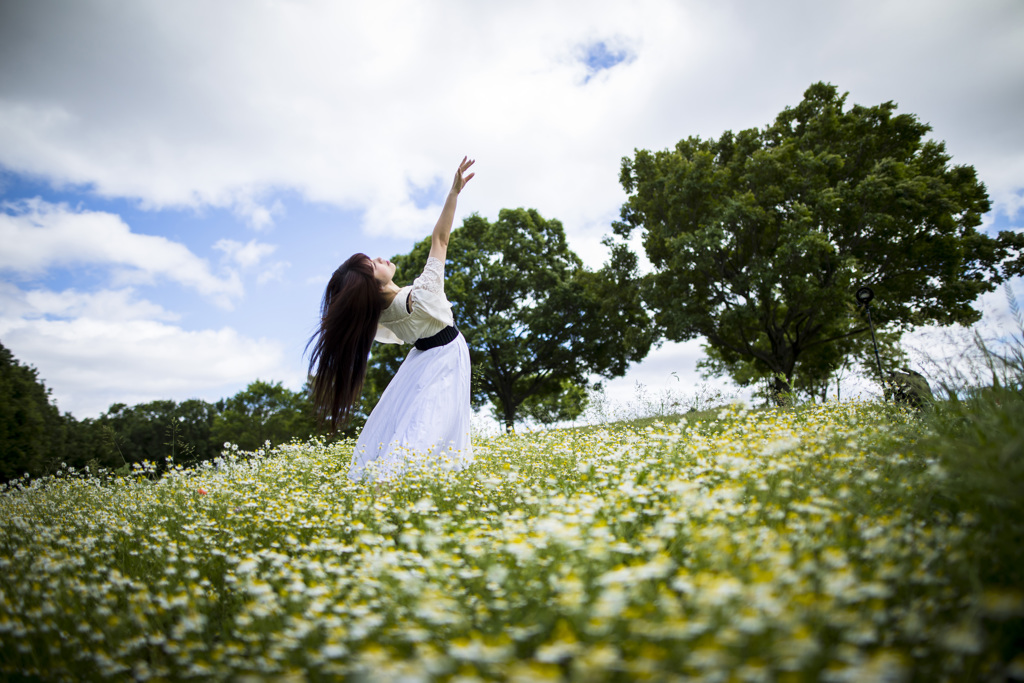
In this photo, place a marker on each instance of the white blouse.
(431, 310)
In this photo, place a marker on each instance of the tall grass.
(976, 436)
(842, 542)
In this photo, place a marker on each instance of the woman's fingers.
(460, 180)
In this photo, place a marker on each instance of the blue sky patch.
(429, 195)
(599, 57)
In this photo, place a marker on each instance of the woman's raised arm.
(443, 227)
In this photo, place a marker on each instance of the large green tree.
(536, 320)
(759, 239)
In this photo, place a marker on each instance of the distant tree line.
(36, 439)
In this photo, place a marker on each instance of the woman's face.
(383, 270)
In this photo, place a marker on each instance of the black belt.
(445, 336)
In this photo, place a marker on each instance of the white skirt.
(423, 417)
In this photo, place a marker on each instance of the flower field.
(810, 544)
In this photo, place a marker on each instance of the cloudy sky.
(179, 179)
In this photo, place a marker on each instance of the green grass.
(843, 542)
(692, 417)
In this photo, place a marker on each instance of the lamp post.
(864, 296)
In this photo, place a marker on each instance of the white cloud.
(273, 273)
(255, 214)
(95, 349)
(108, 305)
(956, 355)
(245, 255)
(192, 103)
(252, 254)
(38, 235)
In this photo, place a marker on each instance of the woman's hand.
(443, 228)
(460, 181)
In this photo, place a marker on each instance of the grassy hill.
(843, 542)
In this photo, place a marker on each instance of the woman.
(423, 415)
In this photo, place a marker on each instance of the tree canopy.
(29, 421)
(759, 239)
(536, 320)
(158, 429)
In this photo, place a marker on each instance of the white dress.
(423, 417)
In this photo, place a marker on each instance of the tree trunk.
(781, 391)
(509, 411)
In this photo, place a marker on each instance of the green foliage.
(759, 239)
(29, 421)
(561, 406)
(536, 320)
(978, 440)
(159, 430)
(977, 445)
(262, 413)
(190, 436)
(84, 443)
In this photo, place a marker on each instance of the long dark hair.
(349, 315)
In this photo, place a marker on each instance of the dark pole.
(864, 297)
